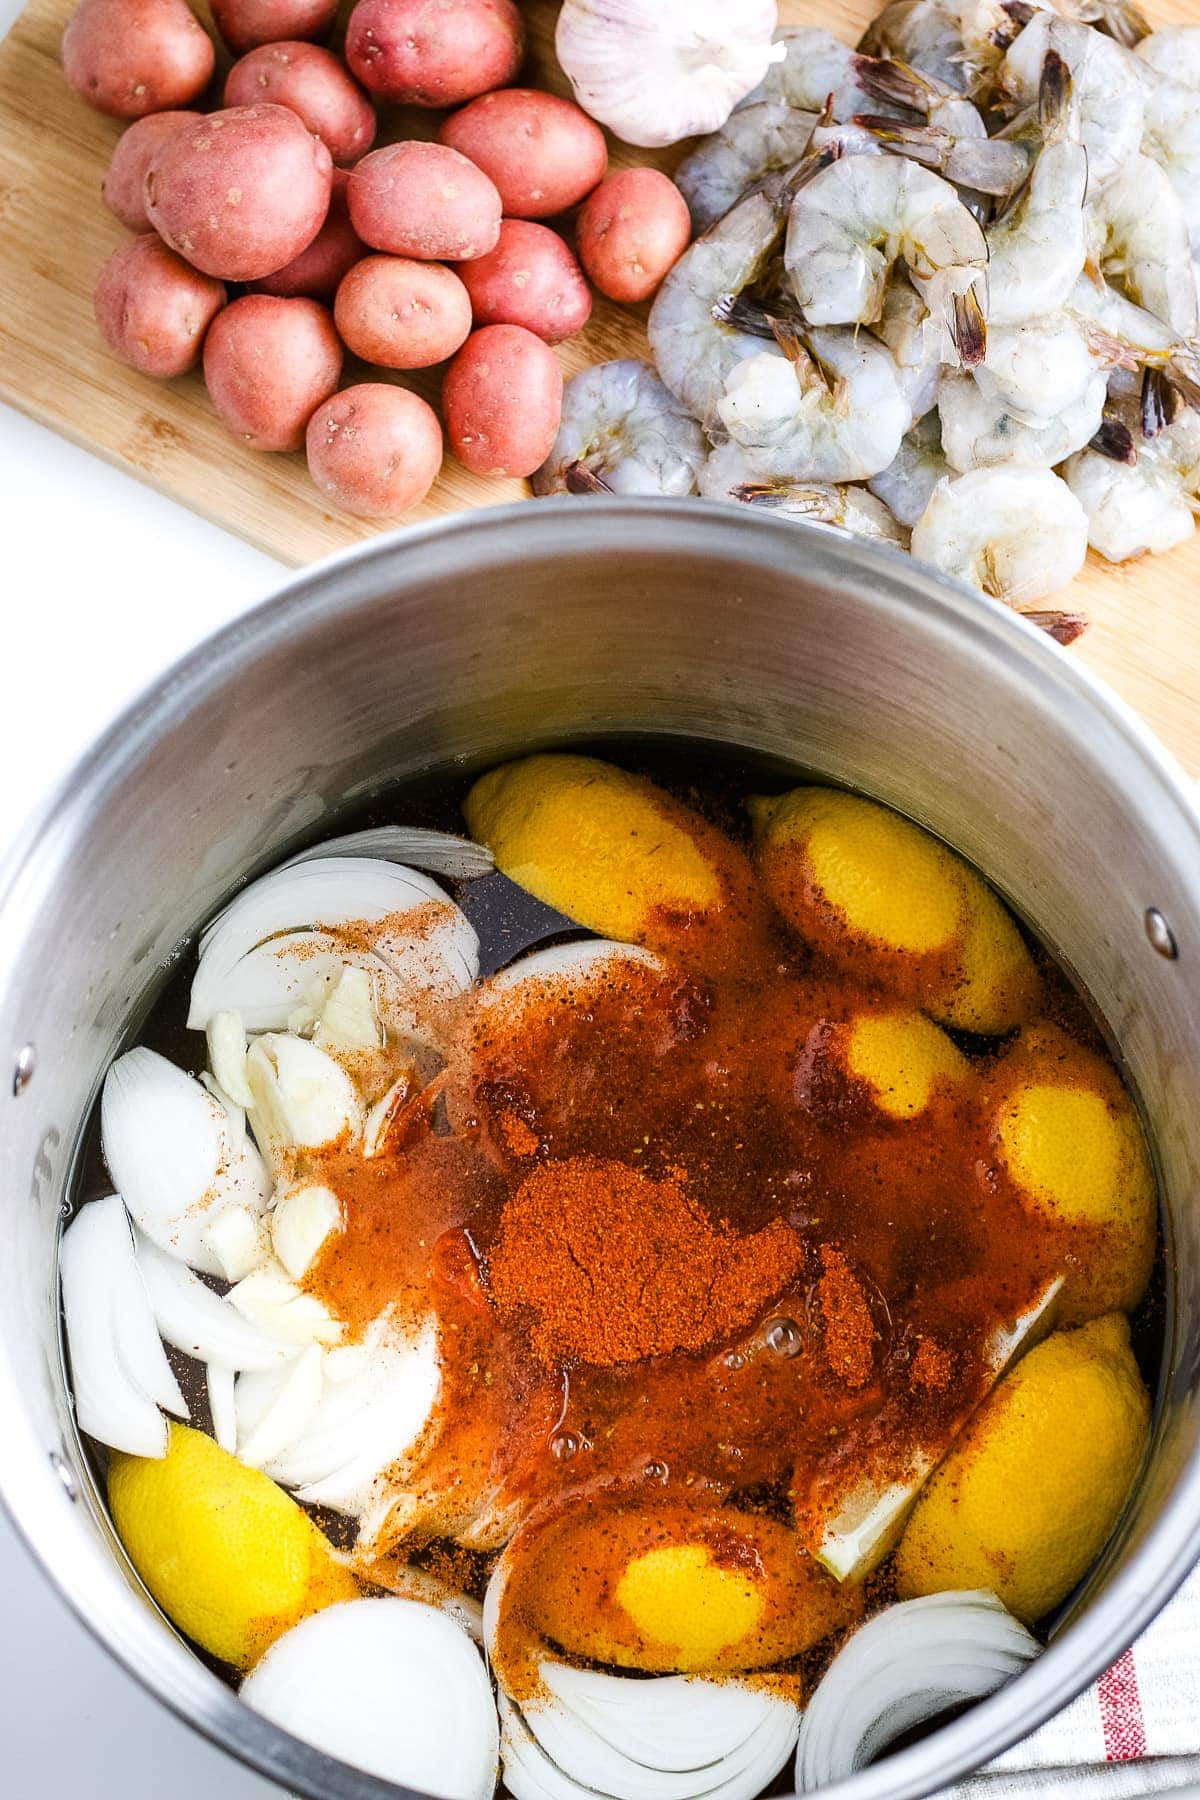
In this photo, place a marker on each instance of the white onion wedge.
(289, 1414)
(389, 1686)
(441, 852)
(219, 1381)
(273, 940)
(575, 964)
(169, 1151)
(300, 1224)
(363, 1425)
(302, 1097)
(120, 1373)
(868, 1522)
(901, 1669)
(657, 1721)
(269, 1299)
(200, 1323)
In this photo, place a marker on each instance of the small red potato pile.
(274, 237)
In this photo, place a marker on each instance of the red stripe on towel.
(1121, 1712)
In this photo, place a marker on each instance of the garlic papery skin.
(900, 1670)
(300, 1224)
(302, 1097)
(655, 71)
(172, 1154)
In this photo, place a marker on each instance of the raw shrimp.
(913, 473)
(1148, 505)
(817, 66)
(847, 508)
(916, 340)
(694, 348)
(1170, 79)
(851, 223)
(1106, 83)
(1138, 236)
(1038, 248)
(754, 142)
(953, 140)
(924, 33)
(977, 432)
(1118, 325)
(1018, 534)
(1037, 369)
(623, 433)
(831, 409)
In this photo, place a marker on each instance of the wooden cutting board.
(55, 234)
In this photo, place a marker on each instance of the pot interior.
(530, 628)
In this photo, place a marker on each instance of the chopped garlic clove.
(300, 1225)
(302, 1097)
(348, 1018)
(276, 1305)
(237, 1239)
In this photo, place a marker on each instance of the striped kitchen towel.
(1135, 1731)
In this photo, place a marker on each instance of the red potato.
(244, 24)
(529, 279)
(316, 87)
(544, 154)
(152, 309)
(318, 269)
(424, 200)
(434, 52)
(631, 231)
(268, 365)
(133, 57)
(243, 193)
(135, 150)
(402, 314)
(374, 450)
(502, 401)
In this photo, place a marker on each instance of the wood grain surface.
(55, 234)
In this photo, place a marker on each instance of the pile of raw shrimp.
(943, 295)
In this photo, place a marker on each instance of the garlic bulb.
(655, 71)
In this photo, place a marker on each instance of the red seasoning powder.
(607, 1265)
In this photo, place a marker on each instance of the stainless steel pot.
(520, 627)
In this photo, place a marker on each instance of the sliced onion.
(120, 1372)
(290, 1413)
(272, 941)
(169, 1151)
(302, 1097)
(363, 1425)
(273, 1302)
(219, 1380)
(658, 1721)
(441, 852)
(389, 1686)
(901, 1669)
(574, 963)
(379, 1120)
(866, 1526)
(200, 1323)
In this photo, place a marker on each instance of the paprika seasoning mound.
(849, 1329)
(610, 1265)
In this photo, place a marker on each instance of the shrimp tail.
(812, 502)
(1115, 440)
(1161, 402)
(1182, 372)
(898, 83)
(1056, 99)
(579, 479)
(1120, 20)
(1063, 627)
(968, 327)
(986, 165)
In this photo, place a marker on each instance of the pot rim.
(175, 1677)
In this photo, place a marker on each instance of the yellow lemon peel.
(229, 1557)
(903, 1057)
(1027, 1498)
(603, 846)
(677, 1596)
(870, 887)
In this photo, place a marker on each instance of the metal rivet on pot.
(23, 1070)
(1161, 936)
(65, 1473)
